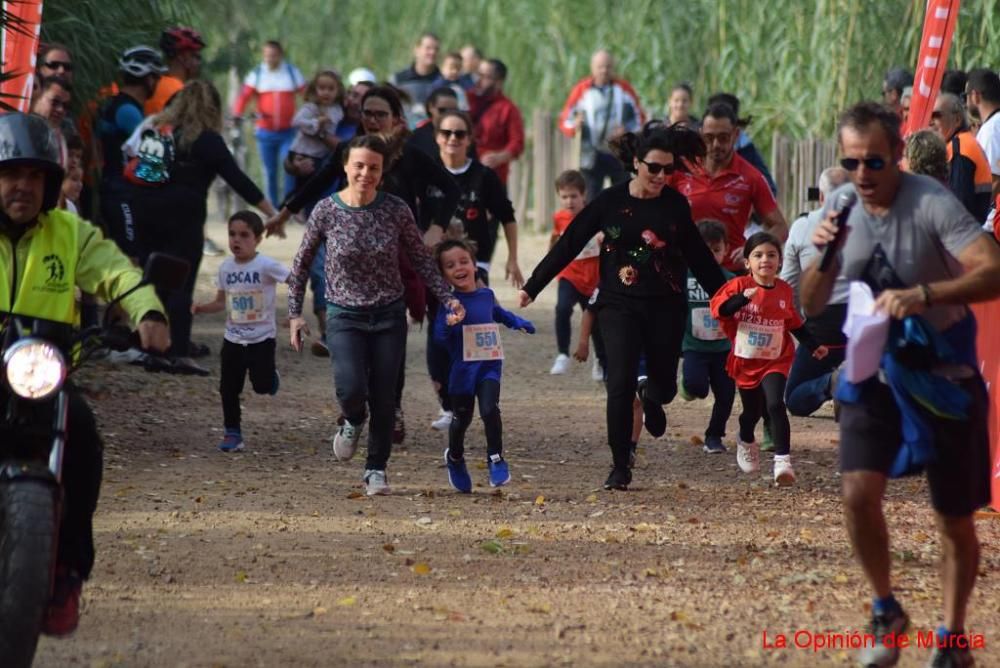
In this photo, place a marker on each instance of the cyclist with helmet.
(32, 230)
(141, 68)
(181, 48)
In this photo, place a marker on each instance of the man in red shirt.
(499, 127)
(727, 187)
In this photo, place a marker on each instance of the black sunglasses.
(656, 168)
(936, 115)
(457, 134)
(59, 65)
(852, 164)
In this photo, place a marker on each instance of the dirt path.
(274, 558)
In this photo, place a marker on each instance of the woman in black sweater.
(170, 218)
(650, 242)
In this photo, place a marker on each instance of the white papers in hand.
(867, 333)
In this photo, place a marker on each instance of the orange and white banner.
(939, 26)
(19, 40)
(988, 348)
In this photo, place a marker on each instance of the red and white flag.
(939, 26)
(19, 45)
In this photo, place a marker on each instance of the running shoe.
(892, 624)
(197, 350)
(458, 474)
(767, 443)
(211, 248)
(398, 428)
(683, 393)
(748, 456)
(443, 421)
(652, 413)
(618, 479)
(376, 483)
(62, 615)
(499, 471)
(232, 441)
(784, 474)
(714, 446)
(560, 366)
(944, 656)
(345, 442)
(597, 371)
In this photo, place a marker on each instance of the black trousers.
(238, 360)
(766, 400)
(488, 394)
(652, 327)
(83, 464)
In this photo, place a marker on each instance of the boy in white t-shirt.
(246, 283)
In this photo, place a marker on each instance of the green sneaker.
(767, 443)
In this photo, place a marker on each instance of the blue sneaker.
(231, 442)
(276, 384)
(458, 474)
(499, 472)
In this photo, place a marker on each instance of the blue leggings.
(273, 146)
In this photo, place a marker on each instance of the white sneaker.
(376, 483)
(784, 475)
(345, 442)
(443, 421)
(596, 372)
(560, 366)
(748, 456)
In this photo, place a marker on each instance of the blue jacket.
(481, 307)
(916, 390)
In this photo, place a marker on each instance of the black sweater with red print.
(649, 244)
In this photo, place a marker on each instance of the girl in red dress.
(757, 313)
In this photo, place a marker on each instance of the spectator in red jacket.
(274, 83)
(499, 127)
(601, 107)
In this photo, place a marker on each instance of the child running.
(246, 288)
(579, 279)
(706, 347)
(758, 315)
(476, 354)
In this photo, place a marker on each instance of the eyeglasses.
(936, 115)
(457, 134)
(378, 115)
(59, 65)
(852, 164)
(656, 167)
(442, 110)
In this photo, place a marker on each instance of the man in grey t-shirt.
(910, 237)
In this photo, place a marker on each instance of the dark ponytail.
(685, 144)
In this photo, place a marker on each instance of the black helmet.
(27, 140)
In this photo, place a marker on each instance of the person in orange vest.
(181, 47)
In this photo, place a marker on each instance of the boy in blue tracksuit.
(476, 354)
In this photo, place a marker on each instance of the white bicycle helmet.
(141, 61)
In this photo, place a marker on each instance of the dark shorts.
(959, 479)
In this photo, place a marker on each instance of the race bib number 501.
(481, 343)
(246, 307)
(758, 342)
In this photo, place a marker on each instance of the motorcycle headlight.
(35, 369)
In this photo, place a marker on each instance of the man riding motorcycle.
(45, 253)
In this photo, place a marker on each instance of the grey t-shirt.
(922, 235)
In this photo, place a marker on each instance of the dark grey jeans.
(367, 347)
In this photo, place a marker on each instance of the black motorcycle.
(37, 357)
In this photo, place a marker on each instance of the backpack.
(154, 157)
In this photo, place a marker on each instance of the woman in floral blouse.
(362, 229)
(649, 243)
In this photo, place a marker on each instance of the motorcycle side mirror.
(165, 272)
